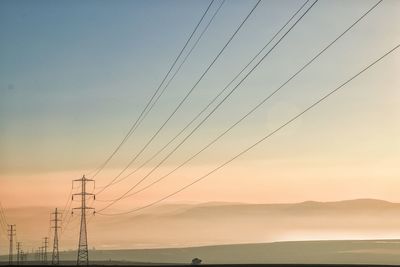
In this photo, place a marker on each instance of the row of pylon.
(41, 253)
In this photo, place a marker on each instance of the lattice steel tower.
(19, 253)
(46, 244)
(55, 258)
(11, 234)
(83, 253)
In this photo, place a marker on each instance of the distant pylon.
(22, 256)
(18, 253)
(11, 234)
(55, 258)
(83, 253)
(41, 254)
(41, 257)
(46, 243)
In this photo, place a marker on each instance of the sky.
(74, 76)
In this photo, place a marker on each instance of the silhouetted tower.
(83, 253)
(41, 255)
(55, 258)
(46, 243)
(11, 234)
(22, 256)
(18, 253)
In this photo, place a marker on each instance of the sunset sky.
(74, 76)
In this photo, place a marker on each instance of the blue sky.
(75, 74)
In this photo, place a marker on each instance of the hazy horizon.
(279, 109)
(204, 224)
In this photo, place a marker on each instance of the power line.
(191, 90)
(3, 220)
(215, 108)
(257, 106)
(49, 229)
(170, 80)
(66, 212)
(184, 60)
(132, 129)
(207, 106)
(2, 213)
(262, 139)
(65, 228)
(67, 207)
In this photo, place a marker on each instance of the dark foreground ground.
(307, 253)
(206, 265)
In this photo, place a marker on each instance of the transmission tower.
(40, 254)
(55, 258)
(11, 234)
(41, 257)
(46, 243)
(18, 253)
(23, 257)
(83, 253)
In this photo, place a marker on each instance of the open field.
(300, 252)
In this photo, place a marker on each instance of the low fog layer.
(184, 225)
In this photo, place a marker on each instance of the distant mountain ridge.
(218, 223)
(358, 201)
(305, 206)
